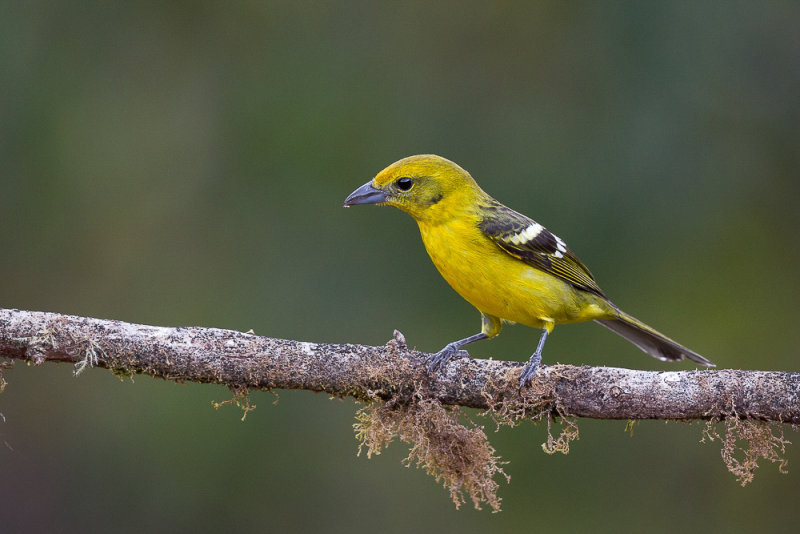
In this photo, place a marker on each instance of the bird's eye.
(404, 183)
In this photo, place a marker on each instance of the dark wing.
(532, 243)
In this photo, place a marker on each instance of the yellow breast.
(501, 285)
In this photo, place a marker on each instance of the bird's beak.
(366, 194)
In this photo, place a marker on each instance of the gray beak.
(366, 194)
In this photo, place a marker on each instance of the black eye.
(404, 183)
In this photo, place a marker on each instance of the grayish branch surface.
(242, 360)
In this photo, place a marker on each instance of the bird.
(508, 266)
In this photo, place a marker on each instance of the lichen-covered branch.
(247, 361)
(403, 403)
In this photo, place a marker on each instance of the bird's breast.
(499, 284)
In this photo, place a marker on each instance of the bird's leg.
(490, 327)
(533, 364)
(438, 360)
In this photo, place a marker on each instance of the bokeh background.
(185, 163)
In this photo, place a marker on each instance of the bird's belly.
(503, 286)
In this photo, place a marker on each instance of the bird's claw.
(438, 360)
(529, 370)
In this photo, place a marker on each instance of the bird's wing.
(532, 243)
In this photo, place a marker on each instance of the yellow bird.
(505, 264)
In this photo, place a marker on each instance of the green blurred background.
(185, 163)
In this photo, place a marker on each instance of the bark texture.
(247, 361)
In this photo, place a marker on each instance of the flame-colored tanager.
(505, 264)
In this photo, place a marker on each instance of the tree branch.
(455, 450)
(245, 361)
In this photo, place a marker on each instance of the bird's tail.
(650, 340)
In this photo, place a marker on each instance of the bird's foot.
(530, 369)
(438, 360)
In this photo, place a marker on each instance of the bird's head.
(428, 187)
